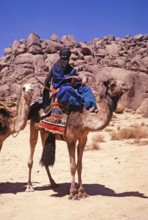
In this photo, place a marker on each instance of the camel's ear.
(107, 82)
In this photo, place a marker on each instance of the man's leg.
(88, 97)
(68, 96)
(46, 99)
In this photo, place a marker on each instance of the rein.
(15, 134)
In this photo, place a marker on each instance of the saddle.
(56, 119)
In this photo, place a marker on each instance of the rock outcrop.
(124, 58)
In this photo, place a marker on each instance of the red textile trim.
(52, 128)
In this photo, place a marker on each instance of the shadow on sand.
(9, 187)
(96, 189)
(63, 190)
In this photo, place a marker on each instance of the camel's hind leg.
(80, 150)
(71, 149)
(44, 136)
(33, 142)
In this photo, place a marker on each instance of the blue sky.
(84, 19)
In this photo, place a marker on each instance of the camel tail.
(48, 155)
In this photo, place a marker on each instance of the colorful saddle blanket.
(56, 121)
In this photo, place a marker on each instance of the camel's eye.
(112, 85)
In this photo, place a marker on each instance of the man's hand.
(73, 79)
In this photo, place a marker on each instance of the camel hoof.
(73, 197)
(83, 195)
(70, 197)
(29, 188)
(76, 197)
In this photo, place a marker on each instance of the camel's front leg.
(33, 142)
(44, 136)
(80, 150)
(71, 149)
(1, 144)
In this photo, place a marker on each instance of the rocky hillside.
(124, 58)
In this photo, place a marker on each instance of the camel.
(11, 123)
(80, 123)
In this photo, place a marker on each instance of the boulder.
(123, 58)
(68, 40)
(34, 44)
(113, 49)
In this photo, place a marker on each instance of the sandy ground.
(115, 177)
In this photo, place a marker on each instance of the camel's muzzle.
(125, 88)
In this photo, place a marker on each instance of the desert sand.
(115, 176)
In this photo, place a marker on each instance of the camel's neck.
(98, 121)
(22, 114)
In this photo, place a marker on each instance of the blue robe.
(78, 95)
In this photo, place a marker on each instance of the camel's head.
(28, 89)
(113, 90)
(115, 87)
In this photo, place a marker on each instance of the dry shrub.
(95, 144)
(134, 132)
(108, 129)
(142, 124)
(98, 138)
